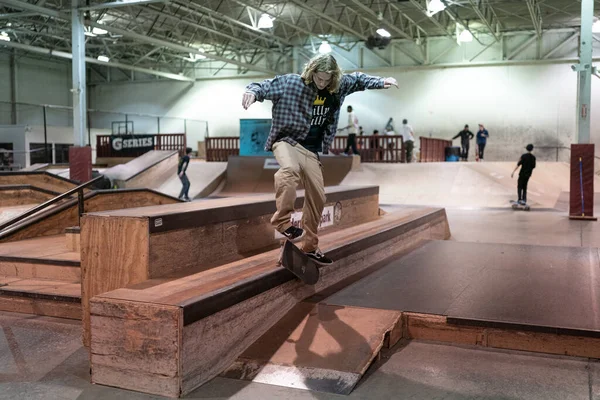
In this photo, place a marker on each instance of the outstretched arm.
(358, 81)
(269, 89)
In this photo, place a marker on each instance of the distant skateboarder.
(305, 117)
(465, 137)
(527, 164)
(181, 169)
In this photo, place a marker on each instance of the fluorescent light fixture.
(87, 31)
(9, 24)
(596, 26)
(4, 36)
(434, 7)
(265, 22)
(103, 59)
(98, 31)
(195, 57)
(383, 33)
(325, 47)
(465, 37)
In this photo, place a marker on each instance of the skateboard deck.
(516, 206)
(298, 263)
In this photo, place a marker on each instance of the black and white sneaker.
(319, 257)
(293, 233)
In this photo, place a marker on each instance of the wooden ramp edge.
(319, 347)
(169, 345)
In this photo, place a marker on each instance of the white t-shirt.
(407, 133)
(353, 123)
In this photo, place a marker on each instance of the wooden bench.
(125, 247)
(168, 338)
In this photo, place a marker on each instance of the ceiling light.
(195, 57)
(324, 48)
(98, 31)
(265, 22)
(103, 59)
(383, 33)
(9, 24)
(4, 36)
(434, 7)
(87, 31)
(596, 26)
(465, 36)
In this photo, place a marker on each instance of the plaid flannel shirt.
(293, 104)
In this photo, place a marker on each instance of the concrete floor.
(41, 358)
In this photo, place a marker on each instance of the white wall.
(518, 104)
(37, 82)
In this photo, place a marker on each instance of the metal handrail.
(36, 209)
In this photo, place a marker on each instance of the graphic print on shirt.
(321, 108)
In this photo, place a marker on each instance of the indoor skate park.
(114, 286)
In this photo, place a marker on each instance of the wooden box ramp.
(319, 347)
(125, 247)
(18, 195)
(40, 276)
(39, 179)
(170, 338)
(439, 328)
(149, 170)
(56, 219)
(247, 174)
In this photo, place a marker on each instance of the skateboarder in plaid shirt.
(306, 109)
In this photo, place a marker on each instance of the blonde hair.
(323, 63)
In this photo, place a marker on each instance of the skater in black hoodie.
(527, 164)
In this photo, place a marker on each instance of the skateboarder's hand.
(248, 99)
(389, 82)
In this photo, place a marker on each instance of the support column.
(584, 70)
(80, 157)
(13, 87)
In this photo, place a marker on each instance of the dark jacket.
(465, 136)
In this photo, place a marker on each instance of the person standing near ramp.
(408, 137)
(482, 136)
(352, 128)
(465, 137)
(306, 109)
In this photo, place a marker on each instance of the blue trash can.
(452, 154)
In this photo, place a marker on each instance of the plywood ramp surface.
(319, 347)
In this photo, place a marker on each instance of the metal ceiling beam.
(486, 14)
(89, 60)
(141, 38)
(536, 16)
(180, 18)
(122, 3)
(359, 35)
(412, 28)
(561, 45)
(434, 19)
(248, 28)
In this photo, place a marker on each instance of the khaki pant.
(298, 165)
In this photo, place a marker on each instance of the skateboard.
(298, 263)
(516, 206)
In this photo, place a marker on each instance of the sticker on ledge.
(271, 163)
(158, 222)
